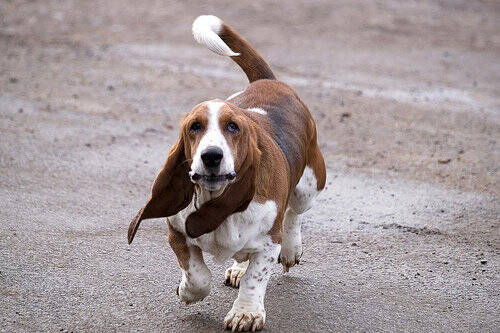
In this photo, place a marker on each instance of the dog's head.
(216, 144)
(218, 151)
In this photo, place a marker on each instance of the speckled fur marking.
(248, 309)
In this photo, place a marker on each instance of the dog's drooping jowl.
(234, 183)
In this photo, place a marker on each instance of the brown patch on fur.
(178, 244)
(273, 180)
(192, 139)
(249, 60)
(316, 162)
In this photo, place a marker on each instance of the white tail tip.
(205, 31)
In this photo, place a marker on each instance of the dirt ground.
(406, 95)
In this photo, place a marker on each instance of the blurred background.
(406, 99)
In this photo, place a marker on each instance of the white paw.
(243, 320)
(191, 295)
(290, 254)
(235, 273)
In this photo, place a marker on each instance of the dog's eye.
(231, 127)
(195, 127)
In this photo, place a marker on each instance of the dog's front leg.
(248, 311)
(196, 277)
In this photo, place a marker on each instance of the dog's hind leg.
(291, 244)
(301, 199)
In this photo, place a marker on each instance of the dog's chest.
(246, 231)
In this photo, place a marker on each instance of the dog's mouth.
(213, 178)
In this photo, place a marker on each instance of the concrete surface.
(406, 96)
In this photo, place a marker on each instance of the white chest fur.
(243, 232)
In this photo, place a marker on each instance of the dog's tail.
(210, 31)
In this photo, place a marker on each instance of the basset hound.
(235, 182)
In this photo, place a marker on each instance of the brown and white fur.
(235, 182)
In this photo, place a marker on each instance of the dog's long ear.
(172, 190)
(235, 198)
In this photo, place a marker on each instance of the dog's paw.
(290, 255)
(189, 296)
(241, 320)
(235, 273)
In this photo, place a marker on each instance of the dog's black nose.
(212, 156)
